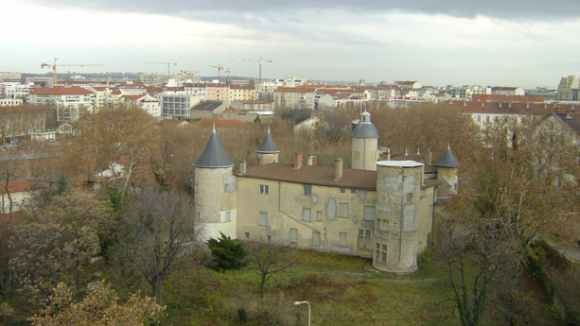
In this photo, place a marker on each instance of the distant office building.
(10, 75)
(565, 87)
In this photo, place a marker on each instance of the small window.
(353, 191)
(198, 215)
(316, 238)
(306, 214)
(264, 189)
(374, 156)
(293, 235)
(381, 253)
(247, 235)
(263, 218)
(455, 186)
(342, 239)
(383, 224)
(343, 209)
(487, 118)
(364, 239)
(307, 190)
(478, 118)
(269, 238)
(409, 197)
(228, 217)
(342, 190)
(319, 216)
(357, 156)
(370, 213)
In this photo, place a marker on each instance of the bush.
(227, 254)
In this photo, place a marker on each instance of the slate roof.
(268, 145)
(365, 130)
(447, 160)
(213, 155)
(314, 174)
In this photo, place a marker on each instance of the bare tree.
(269, 260)
(479, 257)
(159, 229)
(9, 172)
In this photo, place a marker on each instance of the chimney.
(388, 154)
(314, 161)
(309, 159)
(259, 161)
(429, 156)
(297, 160)
(243, 167)
(568, 116)
(337, 169)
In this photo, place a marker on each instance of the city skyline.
(520, 43)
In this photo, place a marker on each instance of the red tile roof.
(507, 98)
(21, 185)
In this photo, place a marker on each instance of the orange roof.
(508, 98)
(234, 110)
(60, 90)
(240, 86)
(21, 185)
(222, 123)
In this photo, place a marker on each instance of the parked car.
(51, 140)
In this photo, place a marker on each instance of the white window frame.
(263, 219)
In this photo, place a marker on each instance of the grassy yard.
(342, 290)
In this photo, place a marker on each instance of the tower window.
(357, 156)
(264, 189)
(307, 190)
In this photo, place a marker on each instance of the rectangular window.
(269, 238)
(319, 216)
(228, 217)
(342, 190)
(225, 188)
(383, 224)
(364, 239)
(307, 190)
(430, 210)
(247, 235)
(293, 235)
(316, 238)
(264, 189)
(343, 209)
(198, 215)
(478, 118)
(487, 118)
(342, 239)
(263, 218)
(370, 213)
(409, 197)
(306, 214)
(353, 191)
(381, 253)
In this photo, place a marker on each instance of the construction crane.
(219, 68)
(259, 60)
(54, 65)
(168, 63)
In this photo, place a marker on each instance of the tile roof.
(507, 98)
(447, 160)
(314, 174)
(21, 185)
(570, 119)
(510, 107)
(60, 90)
(207, 105)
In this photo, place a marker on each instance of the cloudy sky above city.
(505, 43)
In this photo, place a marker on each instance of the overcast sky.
(523, 43)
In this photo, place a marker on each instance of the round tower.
(268, 152)
(215, 191)
(447, 168)
(364, 144)
(397, 222)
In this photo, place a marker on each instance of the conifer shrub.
(227, 254)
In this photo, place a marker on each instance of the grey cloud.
(510, 9)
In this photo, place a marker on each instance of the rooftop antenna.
(418, 151)
(406, 153)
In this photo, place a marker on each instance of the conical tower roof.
(447, 160)
(213, 155)
(268, 146)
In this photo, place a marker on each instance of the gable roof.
(570, 119)
(207, 105)
(22, 185)
(314, 174)
(213, 155)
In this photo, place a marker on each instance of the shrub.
(227, 254)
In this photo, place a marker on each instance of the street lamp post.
(297, 303)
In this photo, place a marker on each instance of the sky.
(524, 43)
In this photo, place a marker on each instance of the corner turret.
(268, 152)
(364, 144)
(447, 168)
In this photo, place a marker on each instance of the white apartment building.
(68, 100)
(10, 102)
(10, 75)
(147, 102)
(16, 89)
(565, 88)
(508, 91)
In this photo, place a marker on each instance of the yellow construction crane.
(163, 63)
(54, 65)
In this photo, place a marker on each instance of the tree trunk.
(262, 284)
